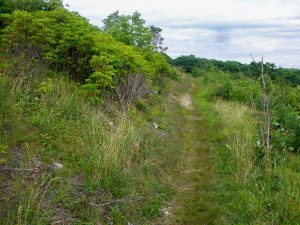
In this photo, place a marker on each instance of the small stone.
(166, 211)
(58, 166)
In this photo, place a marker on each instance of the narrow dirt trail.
(194, 201)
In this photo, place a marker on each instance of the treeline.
(199, 66)
(100, 59)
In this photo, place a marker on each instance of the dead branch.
(122, 200)
(133, 87)
(264, 119)
(266, 111)
(15, 169)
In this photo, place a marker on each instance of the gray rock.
(58, 165)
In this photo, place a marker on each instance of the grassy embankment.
(65, 160)
(115, 170)
(247, 191)
(224, 179)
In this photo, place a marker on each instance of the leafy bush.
(69, 43)
(8, 6)
(285, 110)
(60, 37)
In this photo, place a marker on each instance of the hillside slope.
(66, 160)
(181, 157)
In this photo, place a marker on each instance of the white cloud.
(220, 29)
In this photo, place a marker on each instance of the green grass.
(194, 201)
(248, 192)
(117, 157)
(107, 154)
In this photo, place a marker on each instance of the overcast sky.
(219, 29)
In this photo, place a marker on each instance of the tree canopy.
(132, 30)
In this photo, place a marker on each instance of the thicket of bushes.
(8, 6)
(284, 106)
(67, 42)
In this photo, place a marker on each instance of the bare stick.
(15, 169)
(266, 104)
(122, 200)
(264, 120)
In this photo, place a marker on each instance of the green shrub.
(284, 107)
(60, 37)
(152, 208)
(8, 6)
(69, 43)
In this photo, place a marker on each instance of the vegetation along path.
(193, 203)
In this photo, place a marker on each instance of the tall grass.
(105, 154)
(30, 209)
(248, 193)
(239, 127)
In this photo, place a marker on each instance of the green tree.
(157, 39)
(186, 62)
(119, 27)
(132, 30)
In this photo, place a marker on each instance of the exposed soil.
(186, 101)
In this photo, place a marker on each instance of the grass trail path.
(193, 204)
